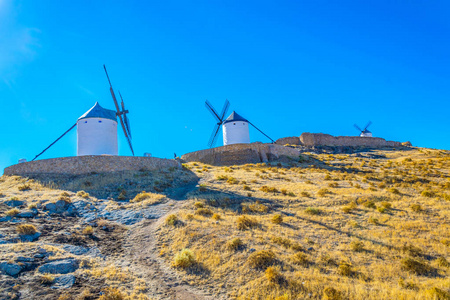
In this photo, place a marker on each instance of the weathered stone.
(320, 139)
(59, 267)
(10, 269)
(292, 140)
(27, 214)
(63, 282)
(29, 237)
(14, 203)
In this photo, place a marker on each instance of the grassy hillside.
(371, 225)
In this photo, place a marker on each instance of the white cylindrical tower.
(235, 130)
(365, 133)
(97, 132)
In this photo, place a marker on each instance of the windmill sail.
(219, 118)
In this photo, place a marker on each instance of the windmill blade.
(357, 127)
(213, 138)
(368, 124)
(261, 132)
(118, 113)
(127, 125)
(213, 111)
(225, 108)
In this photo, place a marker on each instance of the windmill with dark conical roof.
(234, 128)
(364, 132)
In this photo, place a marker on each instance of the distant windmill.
(97, 129)
(364, 132)
(235, 127)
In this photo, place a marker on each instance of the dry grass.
(26, 229)
(340, 238)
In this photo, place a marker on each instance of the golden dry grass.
(347, 221)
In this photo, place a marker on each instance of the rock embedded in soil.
(14, 203)
(63, 282)
(10, 269)
(29, 237)
(59, 267)
(27, 214)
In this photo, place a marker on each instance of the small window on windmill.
(234, 123)
(85, 121)
(99, 121)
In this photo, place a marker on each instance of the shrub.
(246, 188)
(437, 293)
(415, 266)
(330, 293)
(12, 212)
(333, 185)
(427, 193)
(313, 211)
(381, 209)
(184, 259)
(83, 194)
(261, 259)
(267, 189)
(373, 221)
(216, 217)
(273, 275)
(369, 204)
(232, 180)
(88, 230)
(24, 187)
(244, 222)
(234, 244)
(345, 269)
(442, 262)
(204, 212)
(411, 250)
(386, 205)
(172, 220)
(222, 177)
(416, 208)
(199, 204)
(277, 219)
(357, 246)
(300, 258)
(32, 206)
(111, 293)
(26, 229)
(323, 192)
(282, 241)
(394, 191)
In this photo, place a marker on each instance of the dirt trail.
(162, 280)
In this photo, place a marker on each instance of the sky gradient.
(288, 67)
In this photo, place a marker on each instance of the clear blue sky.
(287, 66)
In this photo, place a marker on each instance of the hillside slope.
(370, 225)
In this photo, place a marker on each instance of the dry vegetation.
(368, 226)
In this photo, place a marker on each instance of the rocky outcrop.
(10, 269)
(59, 267)
(320, 139)
(61, 207)
(291, 140)
(238, 154)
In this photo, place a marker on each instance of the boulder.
(59, 267)
(60, 207)
(292, 140)
(10, 269)
(27, 214)
(63, 282)
(29, 237)
(14, 203)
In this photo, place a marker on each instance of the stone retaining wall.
(320, 139)
(238, 154)
(291, 140)
(78, 165)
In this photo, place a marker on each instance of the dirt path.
(162, 280)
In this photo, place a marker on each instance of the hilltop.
(372, 224)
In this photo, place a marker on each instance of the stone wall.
(320, 139)
(78, 165)
(291, 140)
(238, 154)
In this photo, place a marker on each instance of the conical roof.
(234, 117)
(97, 111)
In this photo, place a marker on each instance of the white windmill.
(97, 129)
(364, 132)
(235, 128)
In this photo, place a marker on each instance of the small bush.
(333, 185)
(88, 230)
(222, 177)
(386, 205)
(373, 221)
(234, 244)
(427, 193)
(246, 188)
(261, 259)
(26, 229)
(216, 217)
(273, 275)
(323, 192)
(244, 223)
(232, 180)
(313, 211)
(416, 208)
(83, 194)
(305, 194)
(357, 246)
(24, 187)
(369, 204)
(300, 258)
(394, 191)
(277, 219)
(330, 293)
(267, 189)
(184, 259)
(12, 212)
(411, 250)
(172, 220)
(438, 294)
(199, 205)
(204, 212)
(111, 293)
(345, 269)
(286, 243)
(415, 266)
(381, 209)
(442, 262)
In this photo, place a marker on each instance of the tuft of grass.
(300, 258)
(204, 212)
(12, 212)
(369, 204)
(184, 259)
(244, 222)
(232, 180)
(427, 193)
(273, 275)
(147, 198)
(246, 188)
(305, 194)
(112, 293)
(24, 187)
(415, 266)
(357, 246)
(261, 259)
(277, 219)
(313, 211)
(122, 195)
(268, 189)
(83, 194)
(216, 217)
(345, 269)
(437, 293)
(88, 230)
(26, 229)
(199, 205)
(172, 220)
(416, 207)
(394, 191)
(234, 244)
(330, 293)
(46, 279)
(323, 192)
